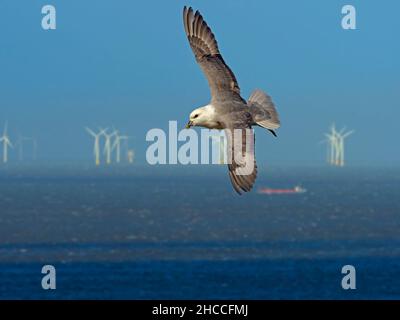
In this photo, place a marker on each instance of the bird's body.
(228, 110)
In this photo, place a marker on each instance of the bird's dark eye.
(195, 116)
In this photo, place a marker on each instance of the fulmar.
(227, 110)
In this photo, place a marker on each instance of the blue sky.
(128, 64)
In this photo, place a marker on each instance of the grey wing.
(241, 158)
(220, 78)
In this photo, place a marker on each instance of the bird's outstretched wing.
(220, 78)
(241, 158)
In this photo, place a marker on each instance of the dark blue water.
(183, 234)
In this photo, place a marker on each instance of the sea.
(181, 232)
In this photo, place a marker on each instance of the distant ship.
(296, 189)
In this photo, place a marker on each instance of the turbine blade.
(348, 133)
(90, 131)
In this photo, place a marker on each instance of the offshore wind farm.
(335, 141)
(109, 147)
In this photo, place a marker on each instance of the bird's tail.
(263, 110)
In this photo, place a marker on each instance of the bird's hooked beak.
(189, 124)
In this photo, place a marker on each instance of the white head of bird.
(203, 117)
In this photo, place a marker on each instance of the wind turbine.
(336, 142)
(117, 145)
(343, 136)
(107, 145)
(6, 143)
(332, 145)
(96, 146)
(131, 155)
(330, 140)
(336, 145)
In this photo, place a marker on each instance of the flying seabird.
(228, 110)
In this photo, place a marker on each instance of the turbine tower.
(130, 155)
(107, 145)
(96, 146)
(331, 147)
(117, 145)
(6, 143)
(341, 137)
